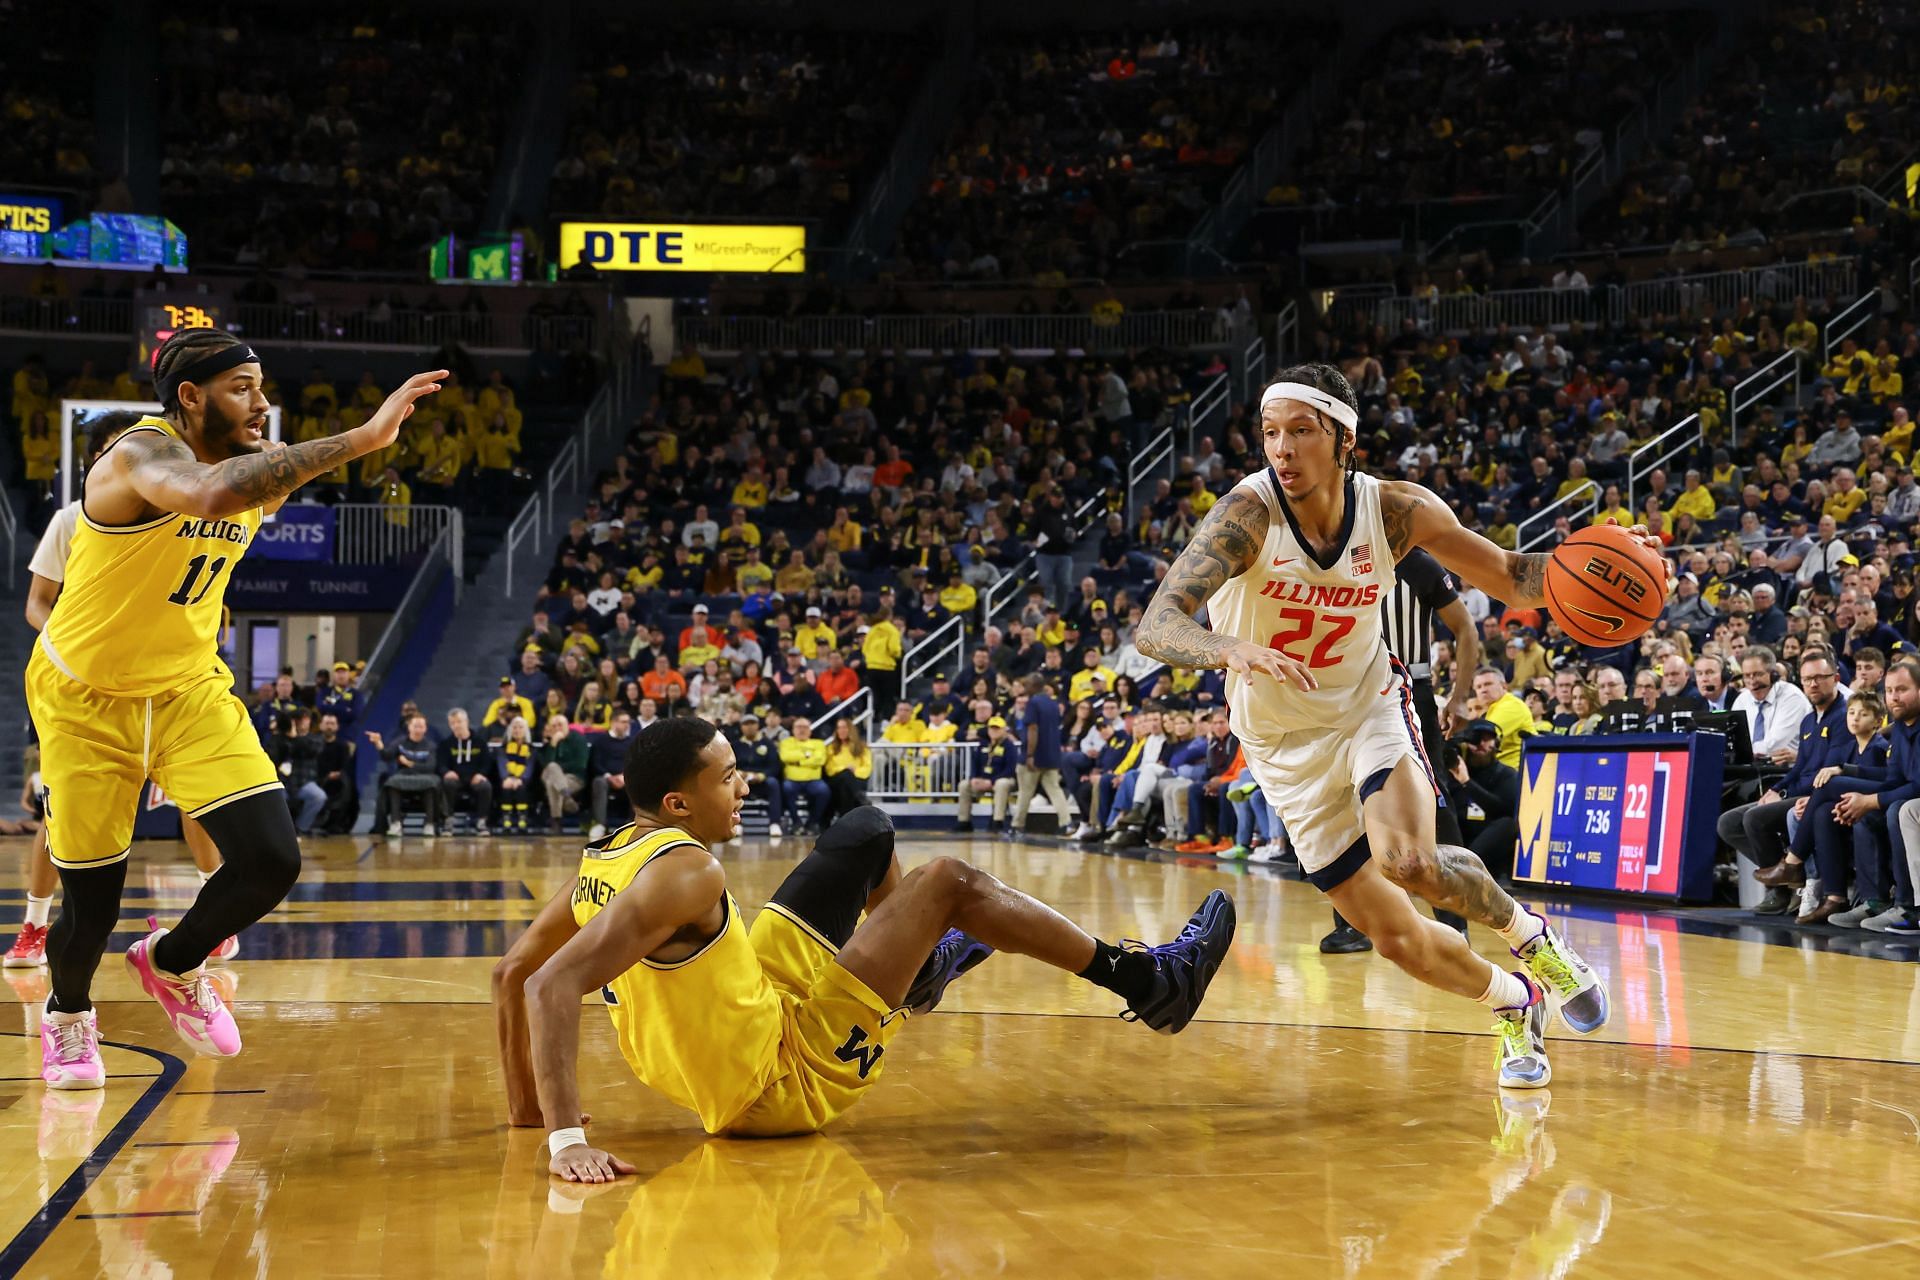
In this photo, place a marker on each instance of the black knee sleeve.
(259, 861)
(89, 910)
(830, 887)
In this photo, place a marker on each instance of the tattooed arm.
(153, 472)
(1415, 517)
(1225, 545)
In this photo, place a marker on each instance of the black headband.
(206, 367)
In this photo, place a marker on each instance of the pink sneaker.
(226, 950)
(70, 1051)
(191, 1004)
(29, 950)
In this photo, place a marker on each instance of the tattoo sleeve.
(1224, 546)
(1529, 575)
(1396, 512)
(166, 473)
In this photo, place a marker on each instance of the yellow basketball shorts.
(834, 1031)
(195, 742)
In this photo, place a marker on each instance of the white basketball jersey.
(1325, 614)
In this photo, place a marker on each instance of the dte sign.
(637, 246)
(639, 249)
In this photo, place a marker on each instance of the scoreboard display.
(156, 320)
(1632, 813)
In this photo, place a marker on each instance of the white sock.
(1504, 990)
(38, 909)
(204, 875)
(1523, 928)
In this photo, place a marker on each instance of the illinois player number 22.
(1302, 623)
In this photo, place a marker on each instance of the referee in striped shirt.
(1423, 589)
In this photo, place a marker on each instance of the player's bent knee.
(949, 877)
(1410, 867)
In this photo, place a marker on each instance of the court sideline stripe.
(22, 1247)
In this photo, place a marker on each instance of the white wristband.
(560, 1139)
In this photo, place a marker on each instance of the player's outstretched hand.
(1247, 658)
(384, 425)
(582, 1163)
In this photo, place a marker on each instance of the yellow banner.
(660, 246)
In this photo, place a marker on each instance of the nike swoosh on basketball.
(1288, 560)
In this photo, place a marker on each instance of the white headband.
(1339, 410)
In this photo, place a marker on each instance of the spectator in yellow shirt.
(1695, 500)
(938, 727)
(1053, 632)
(844, 534)
(1505, 712)
(803, 758)
(1201, 497)
(880, 649)
(1081, 686)
(814, 637)
(751, 491)
(1886, 382)
(904, 727)
(754, 573)
(1576, 481)
(1846, 497)
(795, 578)
(956, 596)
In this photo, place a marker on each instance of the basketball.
(1604, 587)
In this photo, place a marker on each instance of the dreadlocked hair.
(182, 350)
(1324, 377)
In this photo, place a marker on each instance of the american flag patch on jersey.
(1363, 559)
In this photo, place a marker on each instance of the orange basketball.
(1604, 588)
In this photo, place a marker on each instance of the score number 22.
(1302, 623)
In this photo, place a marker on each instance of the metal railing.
(564, 468)
(1253, 369)
(11, 528)
(375, 533)
(857, 708)
(1848, 321)
(1657, 452)
(1248, 187)
(406, 617)
(950, 637)
(1151, 455)
(322, 324)
(1584, 502)
(1200, 411)
(1554, 308)
(934, 771)
(525, 529)
(1286, 333)
(1762, 382)
(979, 333)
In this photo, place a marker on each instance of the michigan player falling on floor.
(126, 683)
(49, 570)
(1290, 566)
(777, 1029)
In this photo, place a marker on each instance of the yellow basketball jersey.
(139, 612)
(704, 1031)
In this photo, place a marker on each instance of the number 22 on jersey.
(1301, 624)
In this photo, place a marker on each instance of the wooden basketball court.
(1750, 1111)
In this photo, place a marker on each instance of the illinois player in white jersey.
(1290, 566)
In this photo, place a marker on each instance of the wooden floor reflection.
(1751, 1111)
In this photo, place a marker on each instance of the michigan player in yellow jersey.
(779, 1028)
(126, 683)
(48, 570)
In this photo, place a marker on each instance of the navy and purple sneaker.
(952, 956)
(1184, 967)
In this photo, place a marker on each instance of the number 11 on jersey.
(185, 595)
